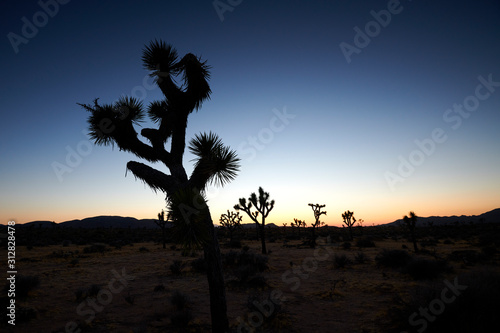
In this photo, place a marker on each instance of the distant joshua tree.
(349, 221)
(231, 221)
(262, 206)
(215, 163)
(317, 223)
(411, 223)
(297, 224)
(162, 223)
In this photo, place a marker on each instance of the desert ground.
(339, 286)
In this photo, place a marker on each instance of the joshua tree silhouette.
(317, 214)
(231, 221)
(349, 221)
(263, 206)
(215, 163)
(162, 223)
(410, 224)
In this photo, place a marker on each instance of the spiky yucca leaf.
(129, 108)
(190, 214)
(195, 76)
(217, 163)
(157, 110)
(160, 58)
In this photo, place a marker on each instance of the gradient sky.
(352, 120)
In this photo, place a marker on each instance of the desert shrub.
(143, 249)
(245, 248)
(66, 243)
(471, 310)
(95, 248)
(199, 265)
(448, 242)
(93, 290)
(346, 245)
(421, 269)
(176, 267)
(466, 256)
(74, 262)
(181, 315)
(274, 317)
(392, 258)
(365, 242)
(24, 284)
(361, 257)
(246, 267)
(341, 261)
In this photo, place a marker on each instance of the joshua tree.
(349, 221)
(263, 206)
(162, 223)
(410, 224)
(215, 163)
(298, 223)
(231, 221)
(317, 214)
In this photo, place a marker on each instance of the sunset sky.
(378, 107)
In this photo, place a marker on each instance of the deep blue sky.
(353, 122)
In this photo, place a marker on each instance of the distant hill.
(488, 217)
(98, 222)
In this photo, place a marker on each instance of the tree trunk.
(217, 289)
(263, 238)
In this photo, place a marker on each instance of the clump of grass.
(341, 261)
(177, 267)
(365, 242)
(361, 257)
(393, 258)
(182, 315)
(246, 267)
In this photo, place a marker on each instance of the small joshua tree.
(410, 223)
(298, 223)
(231, 221)
(349, 221)
(162, 223)
(317, 214)
(262, 206)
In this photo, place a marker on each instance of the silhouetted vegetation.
(263, 207)
(411, 223)
(393, 258)
(349, 221)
